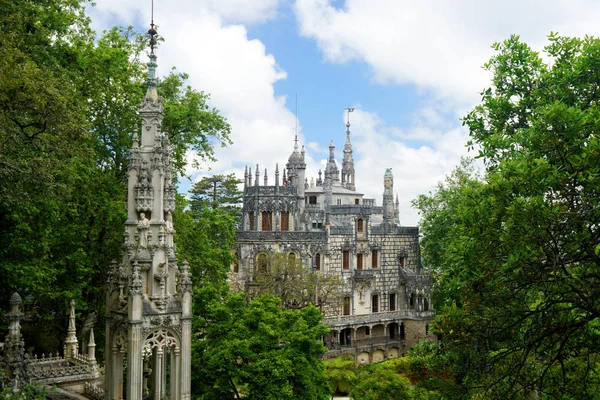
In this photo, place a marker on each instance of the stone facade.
(386, 306)
(149, 296)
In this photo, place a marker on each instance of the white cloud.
(238, 72)
(107, 13)
(437, 46)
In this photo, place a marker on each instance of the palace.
(329, 225)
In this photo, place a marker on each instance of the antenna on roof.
(152, 32)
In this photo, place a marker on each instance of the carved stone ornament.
(144, 192)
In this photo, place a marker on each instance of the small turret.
(388, 197)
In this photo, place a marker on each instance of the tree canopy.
(68, 109)
(518, 250)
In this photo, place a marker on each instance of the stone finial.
(71, 347)
(249, 176)
(15, 302)
(266, 178)
(185, 278)
(257, 176)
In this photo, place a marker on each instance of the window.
(392, 301)
(318, 262)
(402, 333)
(374, 261)
(367, 330)
(285, 220)
(412, 301)
(267, 221)
(346, 259)
(251, 221)
(402, 262)
(261, 263)
(359, 261)
(425, 305)
(359, 225)
(339, 202)
(427, 329)
(356, 201)
(312, 200)
(375, 303)
(346, 310)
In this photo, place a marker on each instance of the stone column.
(135, 341)
(135, 362)
(175, 373)
(186, 359)
(158, 373)
(117, 374)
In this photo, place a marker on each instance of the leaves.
(515, 251)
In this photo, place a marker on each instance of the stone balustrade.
(376, 318)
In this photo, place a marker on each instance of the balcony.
(374, 318)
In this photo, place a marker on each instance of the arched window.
(318, 262)
(359, 226)
(261, 263)
(267, 221)
(312, 199)
(346, 308)
(291, 258)
(285, 220)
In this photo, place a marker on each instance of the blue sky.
(411, 69)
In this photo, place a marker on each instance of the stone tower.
(388, 198)
(149, 298)
(348, 162)
(296, 171)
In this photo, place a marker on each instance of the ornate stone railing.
(269, 190)
(280, 236)
(395, 230)
(374, 318)
(53, 369)
(94, 391)
(342, 230)
(355, 209)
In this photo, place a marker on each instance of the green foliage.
(26, 392)
(341, 374)
(68, 108)
(206, 239)
(218, 191)
(381, 385)
(257, 350)
(516, 252)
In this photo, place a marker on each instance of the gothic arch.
(159, 338)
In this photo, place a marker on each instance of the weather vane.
(152, 32)
(349, 109)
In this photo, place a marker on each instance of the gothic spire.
(348, 161)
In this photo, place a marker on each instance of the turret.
(296, 170)
(348, 162)
(388, 197)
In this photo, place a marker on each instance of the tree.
(520, 251)
(381, 385)
(218, 191)
(206, 240)
(285, 277)
(68, 109)
(341, 374)
(259, 351)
